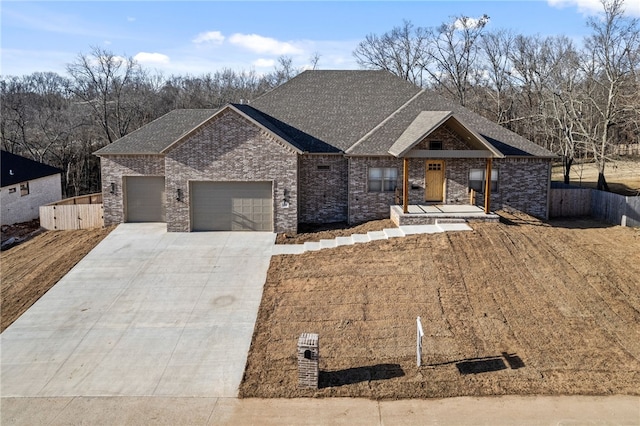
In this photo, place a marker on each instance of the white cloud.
(131, 19)
(470, 22)
(591, 7)
(264, 45)
(213, 37)
(107, 42)
(264, 63)
(151, 58)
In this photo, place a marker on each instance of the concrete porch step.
(370, 236)
(445, 227)
(328, 243)
(393, 232)
(377, 235)
(360, 238)
(344, 241)
(420, 229)
(312, 246)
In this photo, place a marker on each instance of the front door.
(434, 181)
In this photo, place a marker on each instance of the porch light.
(179, 194)
(113, 188)
(285, 200)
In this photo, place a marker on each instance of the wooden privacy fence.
(607, 206)
(570, 202)
(84, 212)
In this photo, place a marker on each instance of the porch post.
(487, 187)
(405, 185)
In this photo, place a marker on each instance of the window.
(476, 180)
(24, 189)
(324, 167)
(12, 190)
(382, 179)
(435, 145)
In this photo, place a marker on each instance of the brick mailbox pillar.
(308, 357)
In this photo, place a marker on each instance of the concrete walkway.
(507, 410)
(401, 231)
(146, 313)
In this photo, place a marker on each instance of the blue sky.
(181, 37)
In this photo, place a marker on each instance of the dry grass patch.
(623, 176)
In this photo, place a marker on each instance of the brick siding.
(323, 193)
(457, 178)
(230, 148)
(114, 168)
(522, 185)
(365, 205)
(450, 140)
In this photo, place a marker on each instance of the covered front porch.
(427, 214)
(441, 141)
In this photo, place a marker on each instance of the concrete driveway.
(146, 313)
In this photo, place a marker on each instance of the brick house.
(327, 146)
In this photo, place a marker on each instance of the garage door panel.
(231, 206)
(145, 199)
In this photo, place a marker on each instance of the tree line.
(576, 100)
(62, 119)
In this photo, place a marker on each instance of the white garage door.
(144, 199)
(231, 206)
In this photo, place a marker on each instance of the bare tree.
(283, 72)
(314, 60)
(611, 61)
(454, 53)
(496, 78)
(562, 89)
(403, 51)
(101, 80)
(16, 114)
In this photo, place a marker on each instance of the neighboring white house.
(25, 186)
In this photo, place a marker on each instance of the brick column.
(308, 357)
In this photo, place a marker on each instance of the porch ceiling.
(429, 121)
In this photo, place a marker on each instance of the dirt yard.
(521, 307)
(623, 176)
(30, 269)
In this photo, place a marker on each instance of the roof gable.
(504, 141)
(429, 121)
(154, 137)
(16, 169)
(423, 125)
(159, 136)
(250, 114)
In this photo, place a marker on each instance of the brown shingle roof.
(505, 141)
(335, 107)
(160, 133)
(357, 112)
